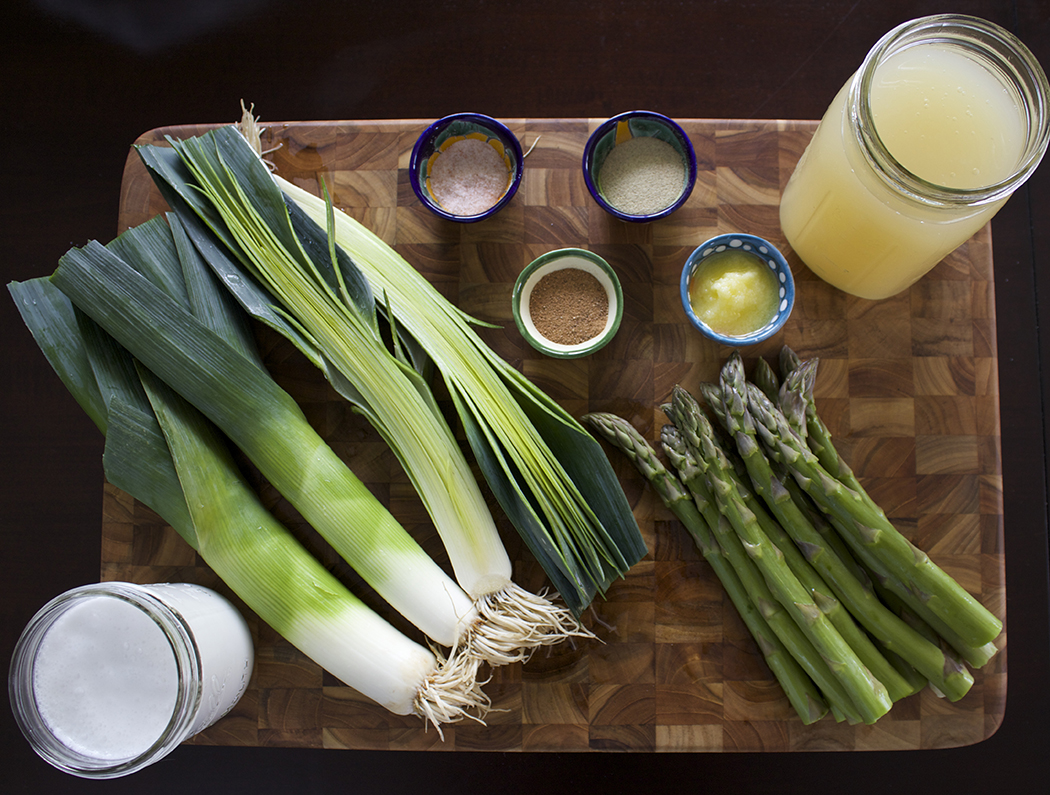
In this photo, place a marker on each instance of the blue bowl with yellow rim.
(639, 166)
(487, 170)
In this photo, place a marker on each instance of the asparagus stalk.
(895, 590)
(800, 690)
(872, 582)
(796, 396)
(896, 600)
(867, 692)
(712, 395)
(683, 407)
(889, 629)
(795, 399)
(897, 605)
(789, 360)
(780, 621)
(766, 379)
(868, 529)
(833, 541)
(867, 579)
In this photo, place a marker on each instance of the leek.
(549, 475)
(262, 419)
(324, 298)
(278, 579)
(187, 473)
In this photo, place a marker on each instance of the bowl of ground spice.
(568, 303)
(639, 166)
(466, 167)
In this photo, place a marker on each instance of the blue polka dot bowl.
(451, 130)
(638, 190)
(770, 257)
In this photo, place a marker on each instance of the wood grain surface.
(907, 385)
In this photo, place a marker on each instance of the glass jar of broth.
(947, 116)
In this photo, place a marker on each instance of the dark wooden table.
(83, 80)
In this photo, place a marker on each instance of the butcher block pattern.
(907, 385)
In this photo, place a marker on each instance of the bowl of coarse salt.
(639, 166)
(568, 303)
(466, 167)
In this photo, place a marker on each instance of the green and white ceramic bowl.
(586, 261)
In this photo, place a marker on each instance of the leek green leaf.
(135, 457)
(137, 461)
(51, 319)
(265, 422)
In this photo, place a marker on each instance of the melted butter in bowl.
(737, 289)
(734, 292)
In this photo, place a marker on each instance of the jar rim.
(188, 670)
(1012, 61)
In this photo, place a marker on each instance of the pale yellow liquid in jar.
(942, 115)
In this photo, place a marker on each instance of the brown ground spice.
(569, 306)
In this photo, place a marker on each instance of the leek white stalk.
(329, 314)
(289, 589)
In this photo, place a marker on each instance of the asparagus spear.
(796, 396)
(869, 695)
(868, 529)
(789, 360)
(712, 395)
(795, 399)
(894, 590)
(766, 379)
(833, 541)
(800, 690)
(897, 605)
(879, 584)
(872, 581)
(892, 632)
(683, 407)
(783, 625)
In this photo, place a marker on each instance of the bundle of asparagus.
(849, 615)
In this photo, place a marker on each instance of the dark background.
(81, 80)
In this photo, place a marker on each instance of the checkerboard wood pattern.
(907, 385)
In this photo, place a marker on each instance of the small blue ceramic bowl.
(442, 134)
(620, 129)
(770, 256)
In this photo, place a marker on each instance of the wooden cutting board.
(908, 386)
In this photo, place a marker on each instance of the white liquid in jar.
(105, 679)
(223, 641)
